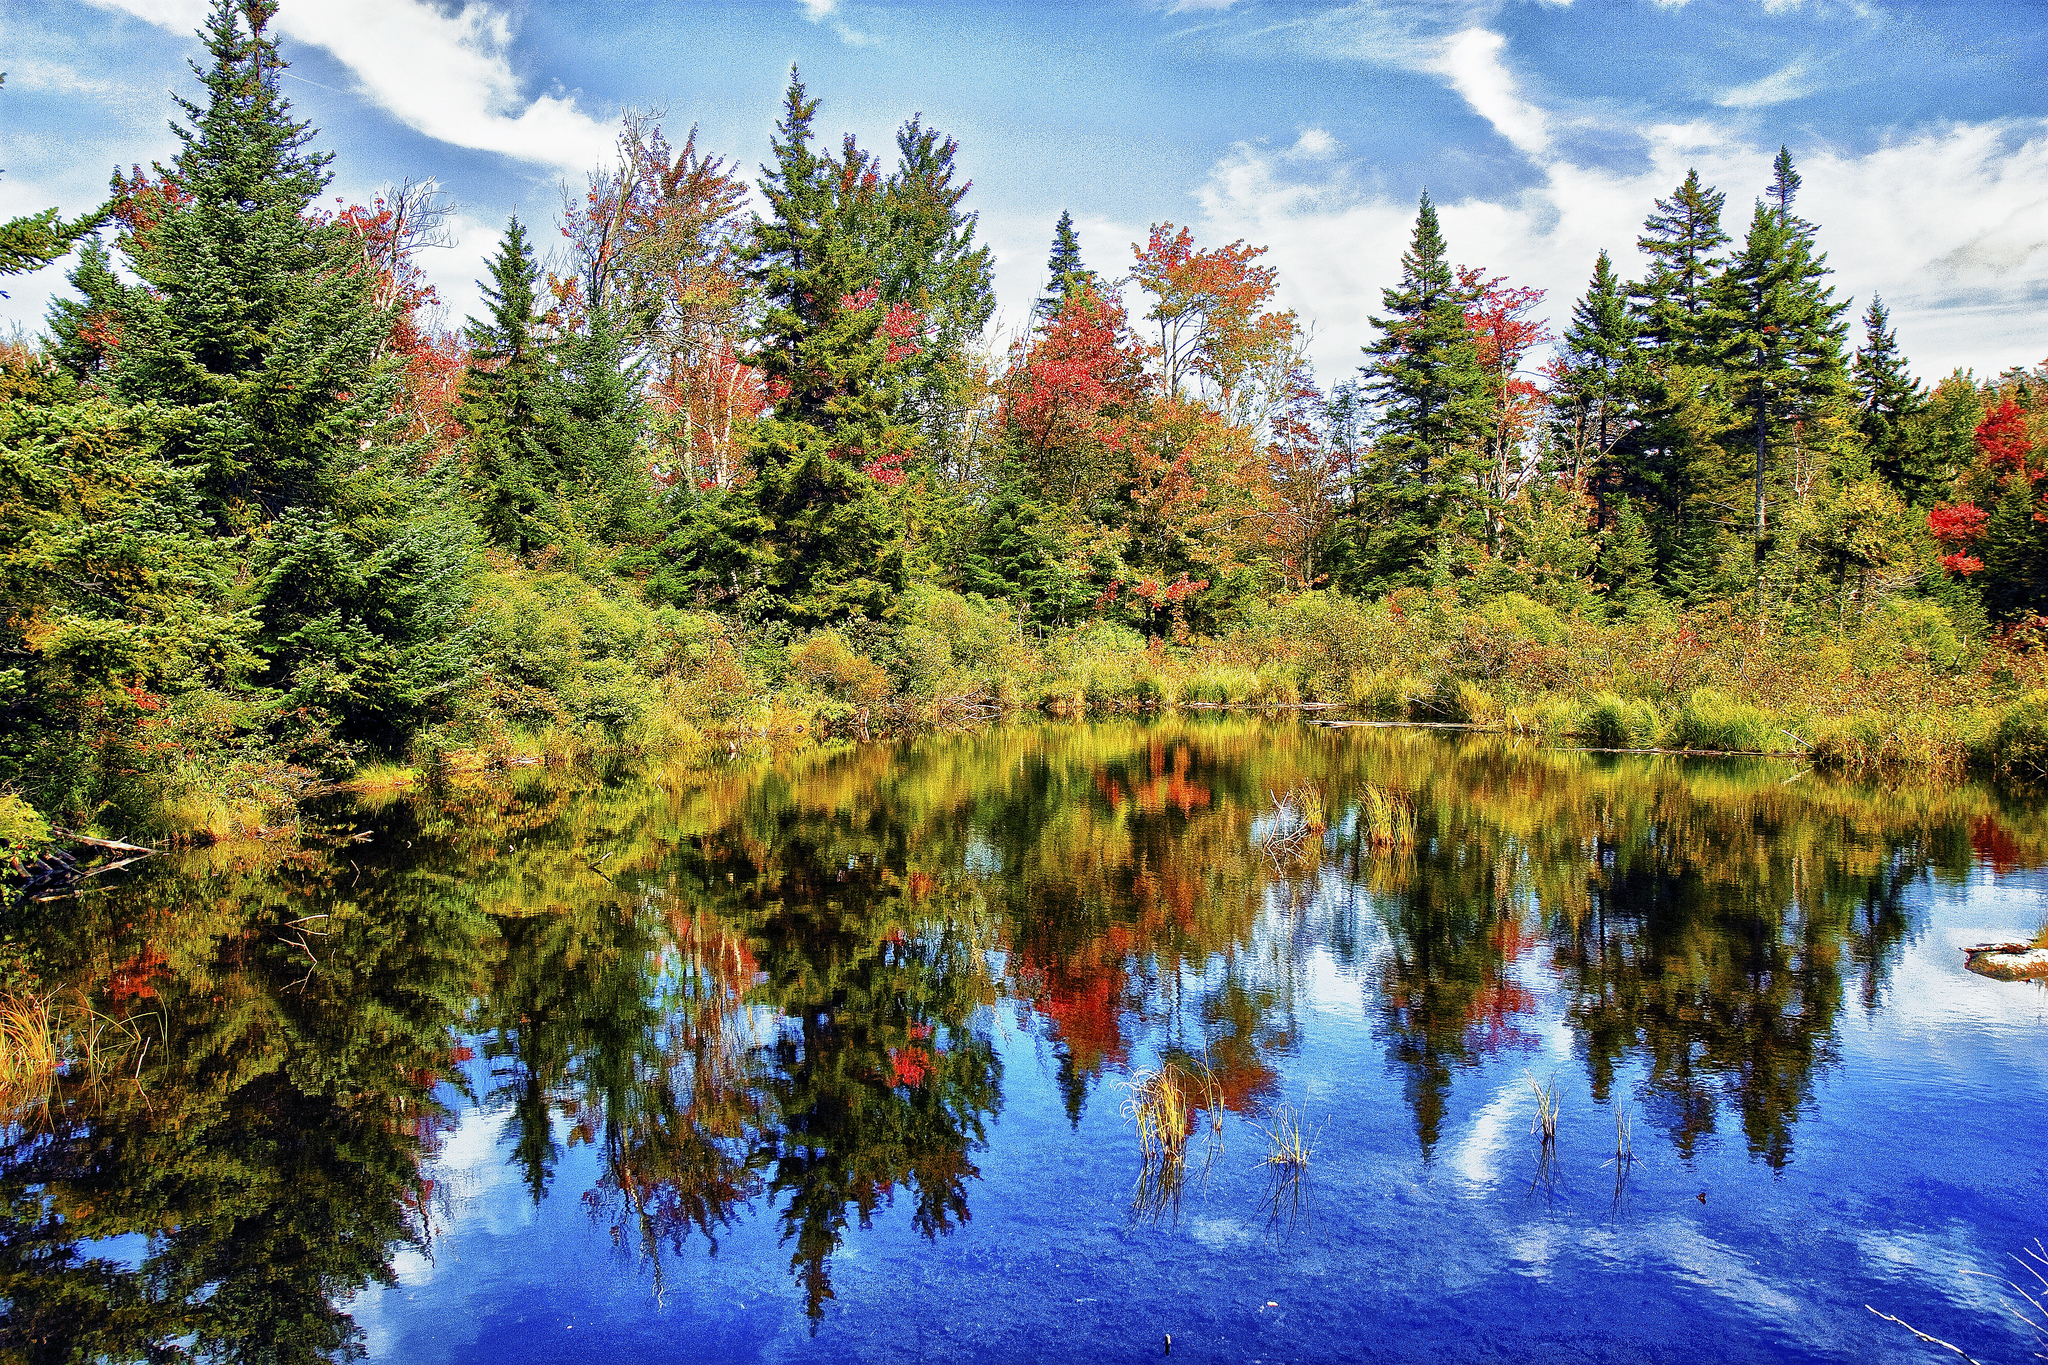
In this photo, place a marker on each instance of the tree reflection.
(767, 989)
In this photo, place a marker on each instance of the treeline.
(265, 523)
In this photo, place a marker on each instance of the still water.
(822, 1056)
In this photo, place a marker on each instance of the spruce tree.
(1600, 373)
(252, 321)
(509, 468)
(1889, 402)
(1782, 350)
(1628, 560)
(833, 547)
(1425, 376)
(82, 330)
(1681, 236)
(1065, 276)
(595, 420)
(934, 266)
(2014, 548)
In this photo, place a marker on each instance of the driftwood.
(53, 874)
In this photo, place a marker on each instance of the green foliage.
(2018, 743)
(1614, 722)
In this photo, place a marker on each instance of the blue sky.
(1543, 129)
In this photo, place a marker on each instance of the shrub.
(826, 664)
(2019, 742)
(1455, 699)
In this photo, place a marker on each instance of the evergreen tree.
(596, 419)
(82, 330)
(504, 402)
(1065, 276)
(1016, 558)
(1599, 375)
(1628, 560)
(1889, 402)
(1782, 351)
(1433, 397)
(253, 320)
(934, 267)
(833, 547)
(1680, 237)
(2014, 548)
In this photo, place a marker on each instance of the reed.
(1548, 1102)
(1289, 1142)
(1161, 1103)
(1386, 819)
(29, 1053)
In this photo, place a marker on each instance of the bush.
(1711, 719)
(1455, 699)
(2019, 742)
(826, 664)
(1388, 694)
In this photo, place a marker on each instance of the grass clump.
(1386, 819)
(1615, 722)
(29, 1054)
(2018, 745)
(1289, 1141)
(1549, 1101)
(1712, 720)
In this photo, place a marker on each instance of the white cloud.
(827, 12)
(1471, 62)
(1966, 286)
(1790, 83)
(445, 74)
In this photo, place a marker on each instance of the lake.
(828, 1055)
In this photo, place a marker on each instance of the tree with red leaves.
(1209, 306)
(1070, 397)
(2002, 439)
(1505, 331)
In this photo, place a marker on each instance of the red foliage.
(135, 978)
(1078, 378)
(1958, 525)
(1992, 844)
(2002, 438)
(1961, 565)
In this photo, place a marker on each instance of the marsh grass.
(43, 1040)
(1386, 819)
(1161, 1103)
(1548, 1103)
(1290, 1142)
(1299, 819)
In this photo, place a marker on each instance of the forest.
(731, 456)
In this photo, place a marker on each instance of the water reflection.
(776, 989)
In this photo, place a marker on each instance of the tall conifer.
(254, 322)
(1425, 375)
(1888, 403)
(1065, 276)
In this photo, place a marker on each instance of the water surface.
(821, 1056)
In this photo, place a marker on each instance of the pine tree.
(1889, 402)
(252, 319)
(1065, 276)
(1016, 557)
(1782, 350)
(1599, 375)
(834, 546)
(504, 402)
(1433, 395)
(596, 419)
(83, 330)
(1680, 237)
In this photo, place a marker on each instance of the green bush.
(2019, 741)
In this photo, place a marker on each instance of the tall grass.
(29, 1054)
(1385, 818)
(1548, 1104)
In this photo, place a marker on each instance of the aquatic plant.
(1386, 819)
(1289, 1141)
(1548, 1101)
(29, 1054)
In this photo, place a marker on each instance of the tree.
(1595, 378)
(1209, 306)
(504, 403)
(1782, 348)
(1425, 375)
(934, 270)
(1628, 560)
(1888, 402)
(828, 348)
(255, 318)
(1680, 237)
(1070, 400)
(1065, 276)
(1504, 333)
